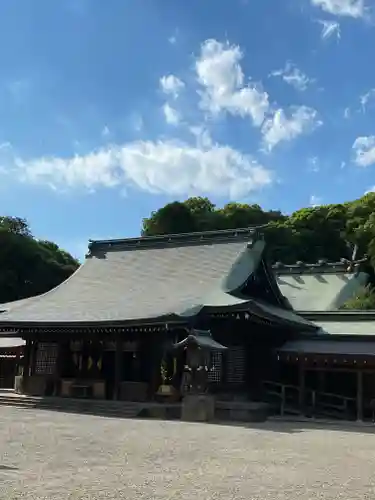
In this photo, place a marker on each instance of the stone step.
(123, 409)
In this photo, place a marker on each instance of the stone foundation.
(36, 385)
(198, 408)
(97, 387)
(242, 411)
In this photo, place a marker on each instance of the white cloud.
(371, 190)
(330, 29)
(281, 128)
(315, 201)
(171, 85)
(223, 83)
(348, 8)
(346, 113)
(172, 116)
(168, 167)
(364, 151)
(293, 76)
(224, 90)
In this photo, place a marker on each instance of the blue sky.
(109, 110)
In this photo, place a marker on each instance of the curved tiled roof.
(323, 286)
(8, 306)
(155, 278)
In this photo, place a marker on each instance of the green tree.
(29, 267)
(15, 225)
(174, 218)
(200, 214)
(363, 300)
(309, 234)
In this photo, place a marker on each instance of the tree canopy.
(309, 234)
(327, 232)
(29, 266)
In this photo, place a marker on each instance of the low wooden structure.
(334, 374)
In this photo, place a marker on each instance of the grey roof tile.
(345, 327)
(355, 348)
(154, 278)
(7, 306)
(137, 279)
(320, 291)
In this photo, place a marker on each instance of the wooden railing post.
(313, 403)
(282, 406)
(301, 388)
(359, 395)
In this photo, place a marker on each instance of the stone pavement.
(52, 455)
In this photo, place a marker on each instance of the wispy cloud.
(172, 116)
(330, 29)
(313, 164)
(171, 85)
(293, 76)
(105, 131)
(364, 151)
(366, 98)
(315, 201)
(173, 38)
(20, 89)
(281, 127)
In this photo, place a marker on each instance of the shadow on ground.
(278, 425)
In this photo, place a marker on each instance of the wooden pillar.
(118, 367)
(321, 381)
(34, 353)
(26, 365)
(282, 405)
(27, 359)
(58, 368)
(359, 395)
(302, 388)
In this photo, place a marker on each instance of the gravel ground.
(52, 455)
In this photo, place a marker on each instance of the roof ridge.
(161, 241)
(321, 266)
